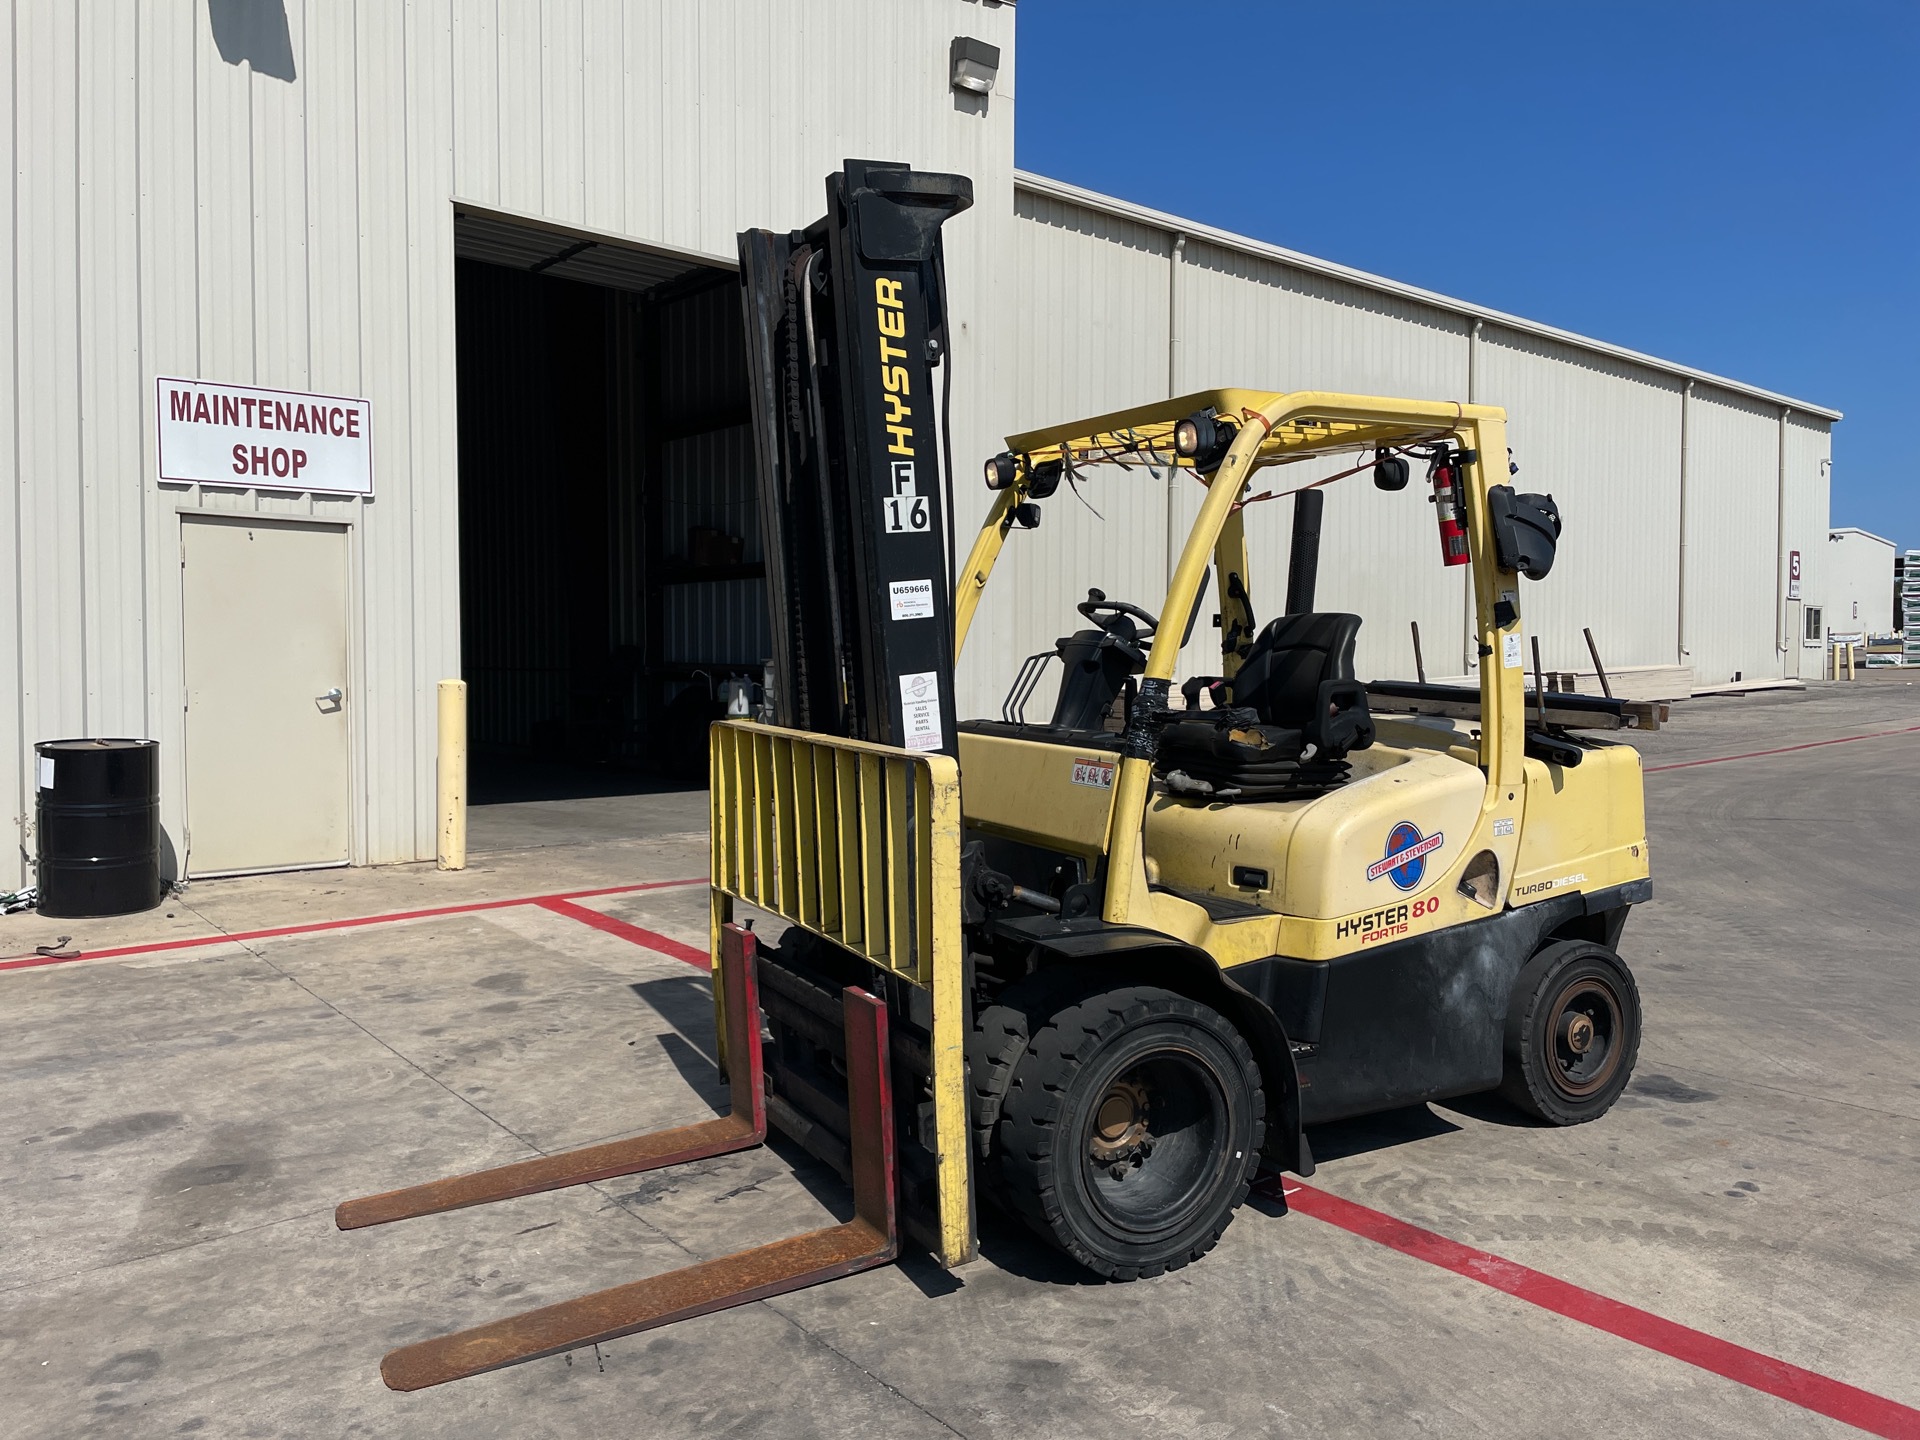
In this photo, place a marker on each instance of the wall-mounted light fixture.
(975, 63)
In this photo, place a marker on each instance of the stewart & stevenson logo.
(1405, 862)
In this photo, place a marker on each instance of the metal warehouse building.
(458, 273)
(1857, 585)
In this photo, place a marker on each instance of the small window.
(1814, 630)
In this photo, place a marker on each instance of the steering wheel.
(1096, 605)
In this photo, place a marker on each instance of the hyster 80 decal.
(1405, 862)
(1386, 924)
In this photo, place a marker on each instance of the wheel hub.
(1587, 1025)
(1576, 1032)
(1119, 1124)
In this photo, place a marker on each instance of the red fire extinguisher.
(1449, 504)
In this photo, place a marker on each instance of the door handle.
(332, 697)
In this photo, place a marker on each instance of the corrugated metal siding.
(53, 620)
(1040, 185)
(1598, 430)
(1091, 300)
(680, 124)
(1855, 570)
(628, 377)
(708, 480)
(1805, 522)
(1603, 438)
(718, 623)
(1731, 532)
(174, 213)
(14, 796)
(1090, 334)
(1249, 321)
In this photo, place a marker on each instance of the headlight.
(1204, 439)
(1002, 470)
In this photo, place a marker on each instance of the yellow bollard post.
(452, 776)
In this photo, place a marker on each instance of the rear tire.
(1130, 1131)
(1573, 1033)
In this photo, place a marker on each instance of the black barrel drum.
(97, 814)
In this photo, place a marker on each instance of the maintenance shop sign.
(236, 435)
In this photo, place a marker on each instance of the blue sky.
(1735, 186)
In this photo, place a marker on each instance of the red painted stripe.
(1782, 750)
(651, 939)
(1825, 1396)
(198, 941)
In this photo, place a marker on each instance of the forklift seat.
(1296, 713)
(1298, 675)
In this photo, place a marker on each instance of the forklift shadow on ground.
(1494, 1109)
(685, 1004)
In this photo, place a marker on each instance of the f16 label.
(906, 506)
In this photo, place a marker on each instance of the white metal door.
(1792, 670)
(268, 757)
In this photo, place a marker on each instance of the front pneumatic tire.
(1131, 1130)
(1573, 1033)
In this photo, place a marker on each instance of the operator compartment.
(1256, 800)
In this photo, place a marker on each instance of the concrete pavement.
(178, 1126)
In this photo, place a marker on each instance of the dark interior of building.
(610, 572)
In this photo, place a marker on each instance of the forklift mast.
(846, 322)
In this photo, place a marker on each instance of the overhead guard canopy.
(1342, 423)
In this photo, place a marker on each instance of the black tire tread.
(1530, 990)
(1001, 1033)
(1036, 1092)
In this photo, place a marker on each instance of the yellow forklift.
(1097, 967)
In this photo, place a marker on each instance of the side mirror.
(1390, 472)
(1526, 529)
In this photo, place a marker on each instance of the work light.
(1002, 470)
(1204, 439)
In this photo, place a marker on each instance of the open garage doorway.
(610, 566)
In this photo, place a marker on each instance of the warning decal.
(1092, 772)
